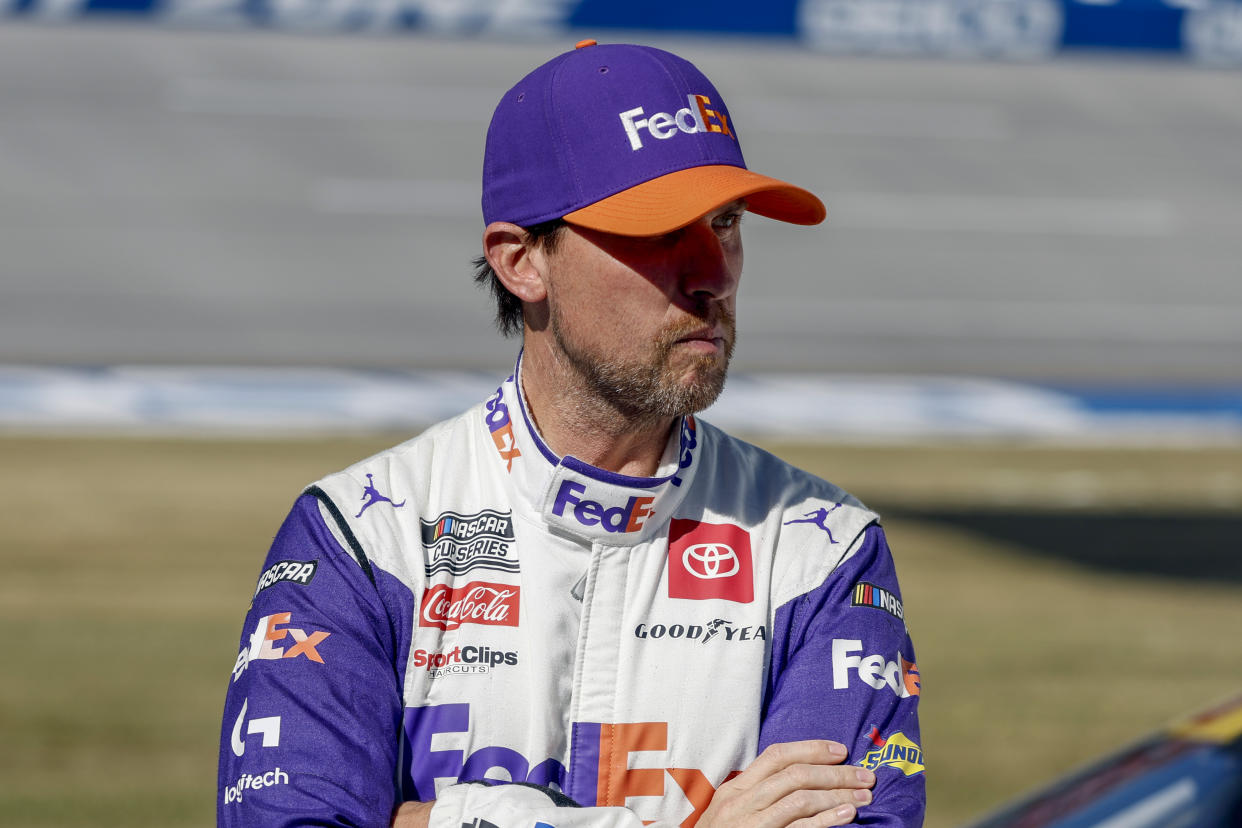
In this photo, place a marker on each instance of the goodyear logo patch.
(896, 752)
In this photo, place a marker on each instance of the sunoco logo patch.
(457, 543)
(895, 752)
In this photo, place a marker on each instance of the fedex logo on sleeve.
(900, 676)
(271, 630)
(692, 118)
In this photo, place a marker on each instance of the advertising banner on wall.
(1206, 31)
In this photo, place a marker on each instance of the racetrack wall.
(256, 197)
(1204, 31)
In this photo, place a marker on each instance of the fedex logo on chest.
(692, 118)
(442, 745)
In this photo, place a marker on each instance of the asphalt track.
(259, 198)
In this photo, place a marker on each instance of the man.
(576, 585)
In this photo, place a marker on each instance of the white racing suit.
(469, 606)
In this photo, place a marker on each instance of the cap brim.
(673, 201)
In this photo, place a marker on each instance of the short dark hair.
(509, 307)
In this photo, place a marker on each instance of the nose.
(711, 265)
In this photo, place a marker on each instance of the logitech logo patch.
(268, 727)
(253, 782)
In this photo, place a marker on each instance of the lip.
(704, 335)
(708, 341)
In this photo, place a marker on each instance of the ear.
(517, 264)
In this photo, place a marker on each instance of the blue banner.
(1208, 31)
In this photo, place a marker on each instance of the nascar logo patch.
(875, 597)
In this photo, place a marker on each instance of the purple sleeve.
(313, 710)
(843, 669)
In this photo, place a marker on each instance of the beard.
(660, 386)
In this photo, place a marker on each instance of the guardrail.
(1205, 31)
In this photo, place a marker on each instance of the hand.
(800, 784)
(412, 815)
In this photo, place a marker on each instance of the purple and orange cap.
(625, 139)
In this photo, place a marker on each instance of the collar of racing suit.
(578, 499)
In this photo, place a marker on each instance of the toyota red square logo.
(709, 560)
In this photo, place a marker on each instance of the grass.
(127, 566)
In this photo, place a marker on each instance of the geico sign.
(900, 676)
(695, 117)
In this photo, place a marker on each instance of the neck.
(573, 420)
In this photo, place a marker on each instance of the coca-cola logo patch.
(478, 602)
(709, 560)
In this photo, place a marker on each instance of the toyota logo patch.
(709, 560)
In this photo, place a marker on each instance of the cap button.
(582, 44)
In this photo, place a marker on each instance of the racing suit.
(469, 606)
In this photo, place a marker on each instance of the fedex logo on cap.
(695, 117)
(709, 560)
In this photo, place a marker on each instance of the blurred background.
(234, 256)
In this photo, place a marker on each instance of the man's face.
(648, 323)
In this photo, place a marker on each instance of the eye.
(670, 240)
(727, 221)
